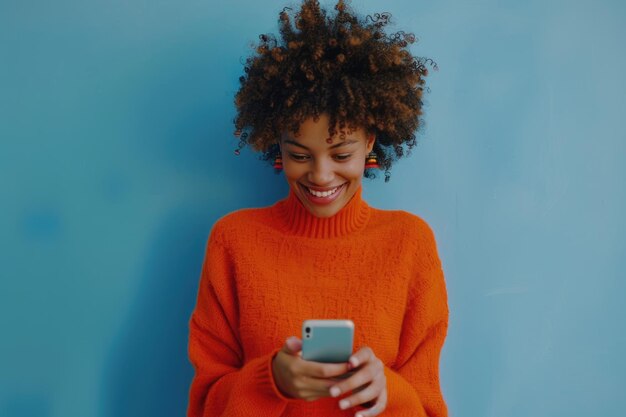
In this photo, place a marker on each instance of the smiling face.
(323, 175)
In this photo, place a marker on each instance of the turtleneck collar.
(296, 219)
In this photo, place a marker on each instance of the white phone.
(327, 340)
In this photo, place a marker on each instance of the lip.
(320, 189)
(322, 200)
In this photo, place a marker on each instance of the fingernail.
(354, 361)
(343, 404)
(335, 391)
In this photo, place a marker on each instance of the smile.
(323, 193)
(322, 197)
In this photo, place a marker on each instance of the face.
(324, 175)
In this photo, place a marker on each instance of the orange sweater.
(268, 269)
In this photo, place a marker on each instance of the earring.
(371, 161)
(278, 162)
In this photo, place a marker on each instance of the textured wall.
(116, 157)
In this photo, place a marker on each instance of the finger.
(285, 349)
(323, 370)
(371, 392)
(318, 387)
(356, 382)
(368, 373)
(343, 376)
(378, 407)
(362, 356)
(293, 344)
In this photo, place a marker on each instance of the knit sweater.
(267, 269)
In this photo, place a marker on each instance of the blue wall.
(116, 157)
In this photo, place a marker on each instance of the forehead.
(319, 128)
(316, 131)
(321, 145)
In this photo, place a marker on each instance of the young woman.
(334, 99)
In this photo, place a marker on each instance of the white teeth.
(323, 193)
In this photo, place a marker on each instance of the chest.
(298, 281)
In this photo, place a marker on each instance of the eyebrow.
(336, 145)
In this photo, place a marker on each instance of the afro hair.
(343, 65)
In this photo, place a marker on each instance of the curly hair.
(345, 66)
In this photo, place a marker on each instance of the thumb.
(293, 344)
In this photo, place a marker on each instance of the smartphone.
(327, 340)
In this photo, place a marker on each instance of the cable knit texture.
(267, 269)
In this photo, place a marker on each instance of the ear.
(369, 145)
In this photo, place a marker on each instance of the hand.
(299, 378)
(372, 373)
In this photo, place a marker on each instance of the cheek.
(292, 171)
(354, 168)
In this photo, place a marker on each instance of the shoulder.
(409, 231)
(410, 224)
(239, 222)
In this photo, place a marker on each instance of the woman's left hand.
(368, 383)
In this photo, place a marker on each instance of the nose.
(321, 172)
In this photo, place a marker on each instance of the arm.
(223, 385)
(413, 380)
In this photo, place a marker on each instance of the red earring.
(278, 163)
(371, 161)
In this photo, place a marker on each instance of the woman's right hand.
(299, 378)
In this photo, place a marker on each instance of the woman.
(332, 100)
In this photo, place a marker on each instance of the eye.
(298, 157)
(302, 157)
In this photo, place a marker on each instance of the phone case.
(327, 340)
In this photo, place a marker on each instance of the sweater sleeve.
(224, 383)
(413, 385)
